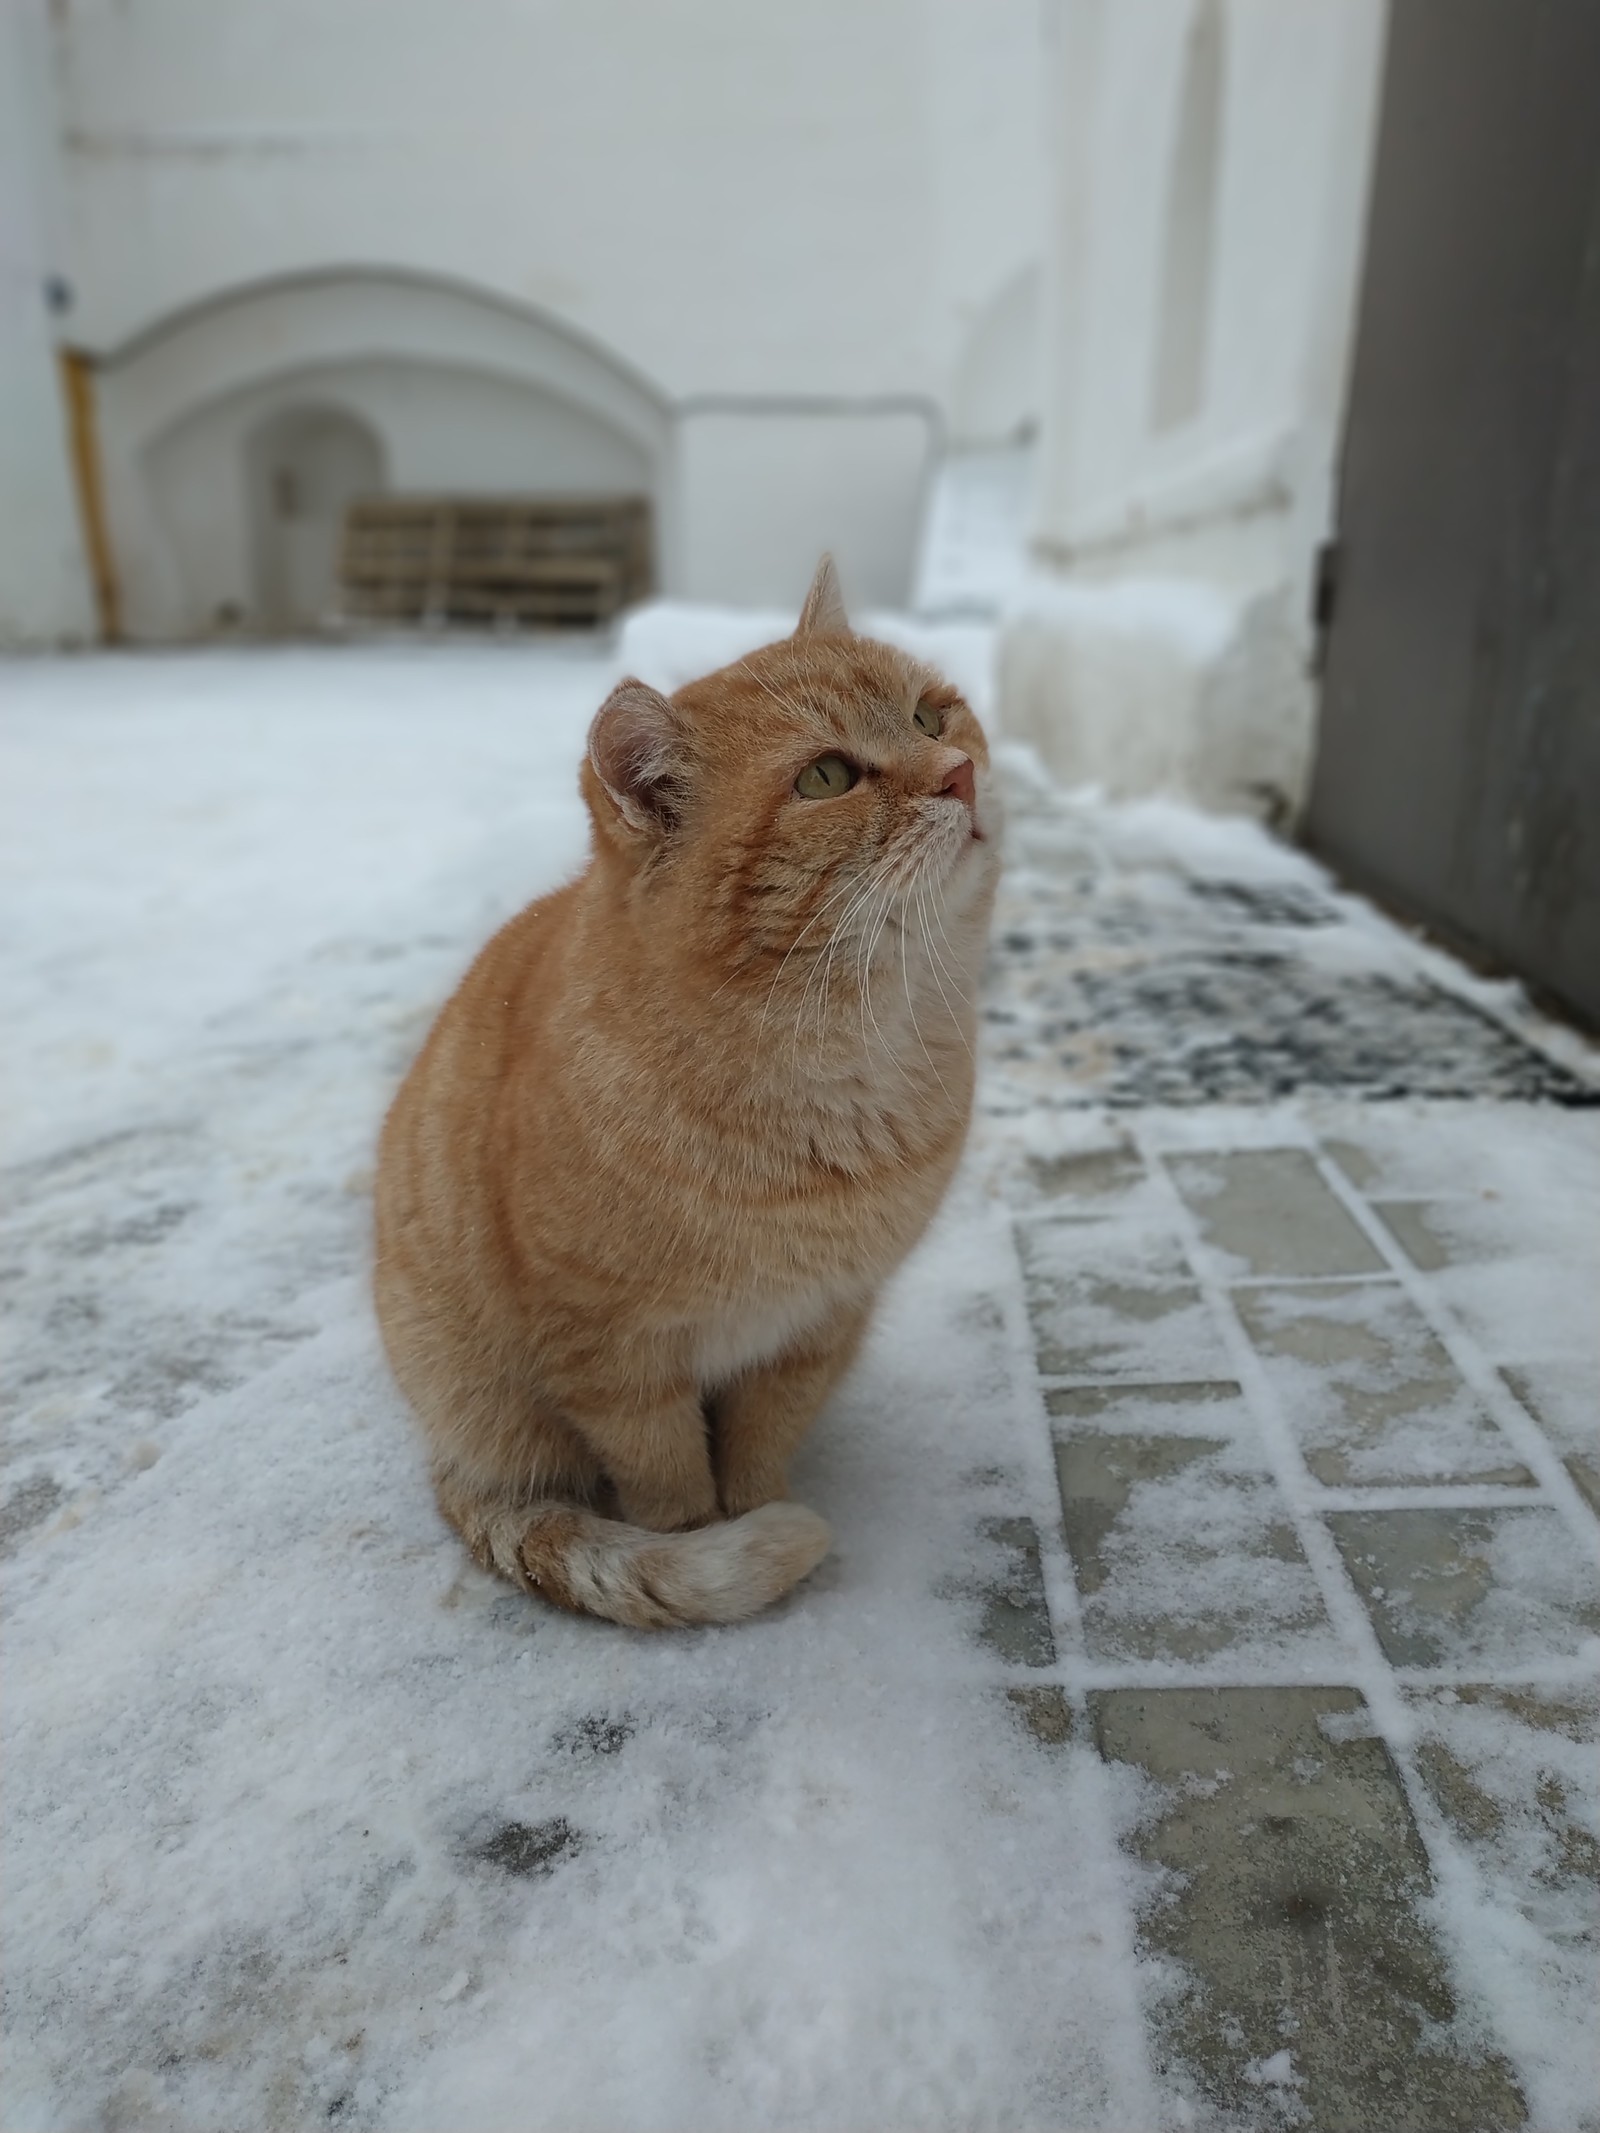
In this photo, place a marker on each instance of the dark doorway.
(1458, 766)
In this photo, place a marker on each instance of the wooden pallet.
(563, 562)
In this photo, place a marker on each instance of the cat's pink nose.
(959, 784)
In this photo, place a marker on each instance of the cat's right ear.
(823, 614)
(635, 753)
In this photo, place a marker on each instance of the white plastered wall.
(783, 226)
(44, 587)
(1213, 158)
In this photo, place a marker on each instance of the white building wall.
(44, 586)
(1210, 190)
(757, 485)
(741, 208)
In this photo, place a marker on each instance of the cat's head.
(827, 765)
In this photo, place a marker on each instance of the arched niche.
(425, 385)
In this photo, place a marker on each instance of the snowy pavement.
(1195, 1724)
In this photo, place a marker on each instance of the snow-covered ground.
(307, 1822)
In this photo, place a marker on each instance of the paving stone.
(1182, 1409)
(1294, 1877)
(1181, 1543)
(1269, 1209)
(1359, 1164)
(1516, 1774)
(1562, 1398)
(1016, 1617)
(1407, 1221)
(1371, 1395)
(1471, 1589)
(1087, 1182)
(1117, 1300)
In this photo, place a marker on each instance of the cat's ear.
(823, 614)
(635, 752)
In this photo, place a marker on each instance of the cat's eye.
(927, 720)
(826, 778)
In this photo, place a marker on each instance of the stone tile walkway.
(1325, 1569)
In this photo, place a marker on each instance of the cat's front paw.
(738, 1493)
(660, 1510)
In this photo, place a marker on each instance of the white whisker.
(872, 949)
(911, 1005)
(933, 969)
(956, 987)
(825, 966)
(864, 980)
(863, 966)
(826, 904)
(945, 937)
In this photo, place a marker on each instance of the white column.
(1201, 274)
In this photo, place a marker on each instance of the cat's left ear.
(635, 750)
(823, 614)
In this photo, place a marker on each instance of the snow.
(1527, 1874)
(309, 1822)
(272, 1715)
(1373, 1392)
(1186, 615)
(1275, 2072)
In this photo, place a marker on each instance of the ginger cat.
(683, 1117)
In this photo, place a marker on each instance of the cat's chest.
(734, 1340)
(790, 1272)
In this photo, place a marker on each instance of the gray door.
(1458, 765)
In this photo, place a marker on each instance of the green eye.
(826, 778)
(927, 720)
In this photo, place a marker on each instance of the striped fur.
(681, 1120)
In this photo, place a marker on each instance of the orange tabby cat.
(682, 1119)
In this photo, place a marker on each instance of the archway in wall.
(234, 432)
(303, 469)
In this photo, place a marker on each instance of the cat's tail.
(597, 1566)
